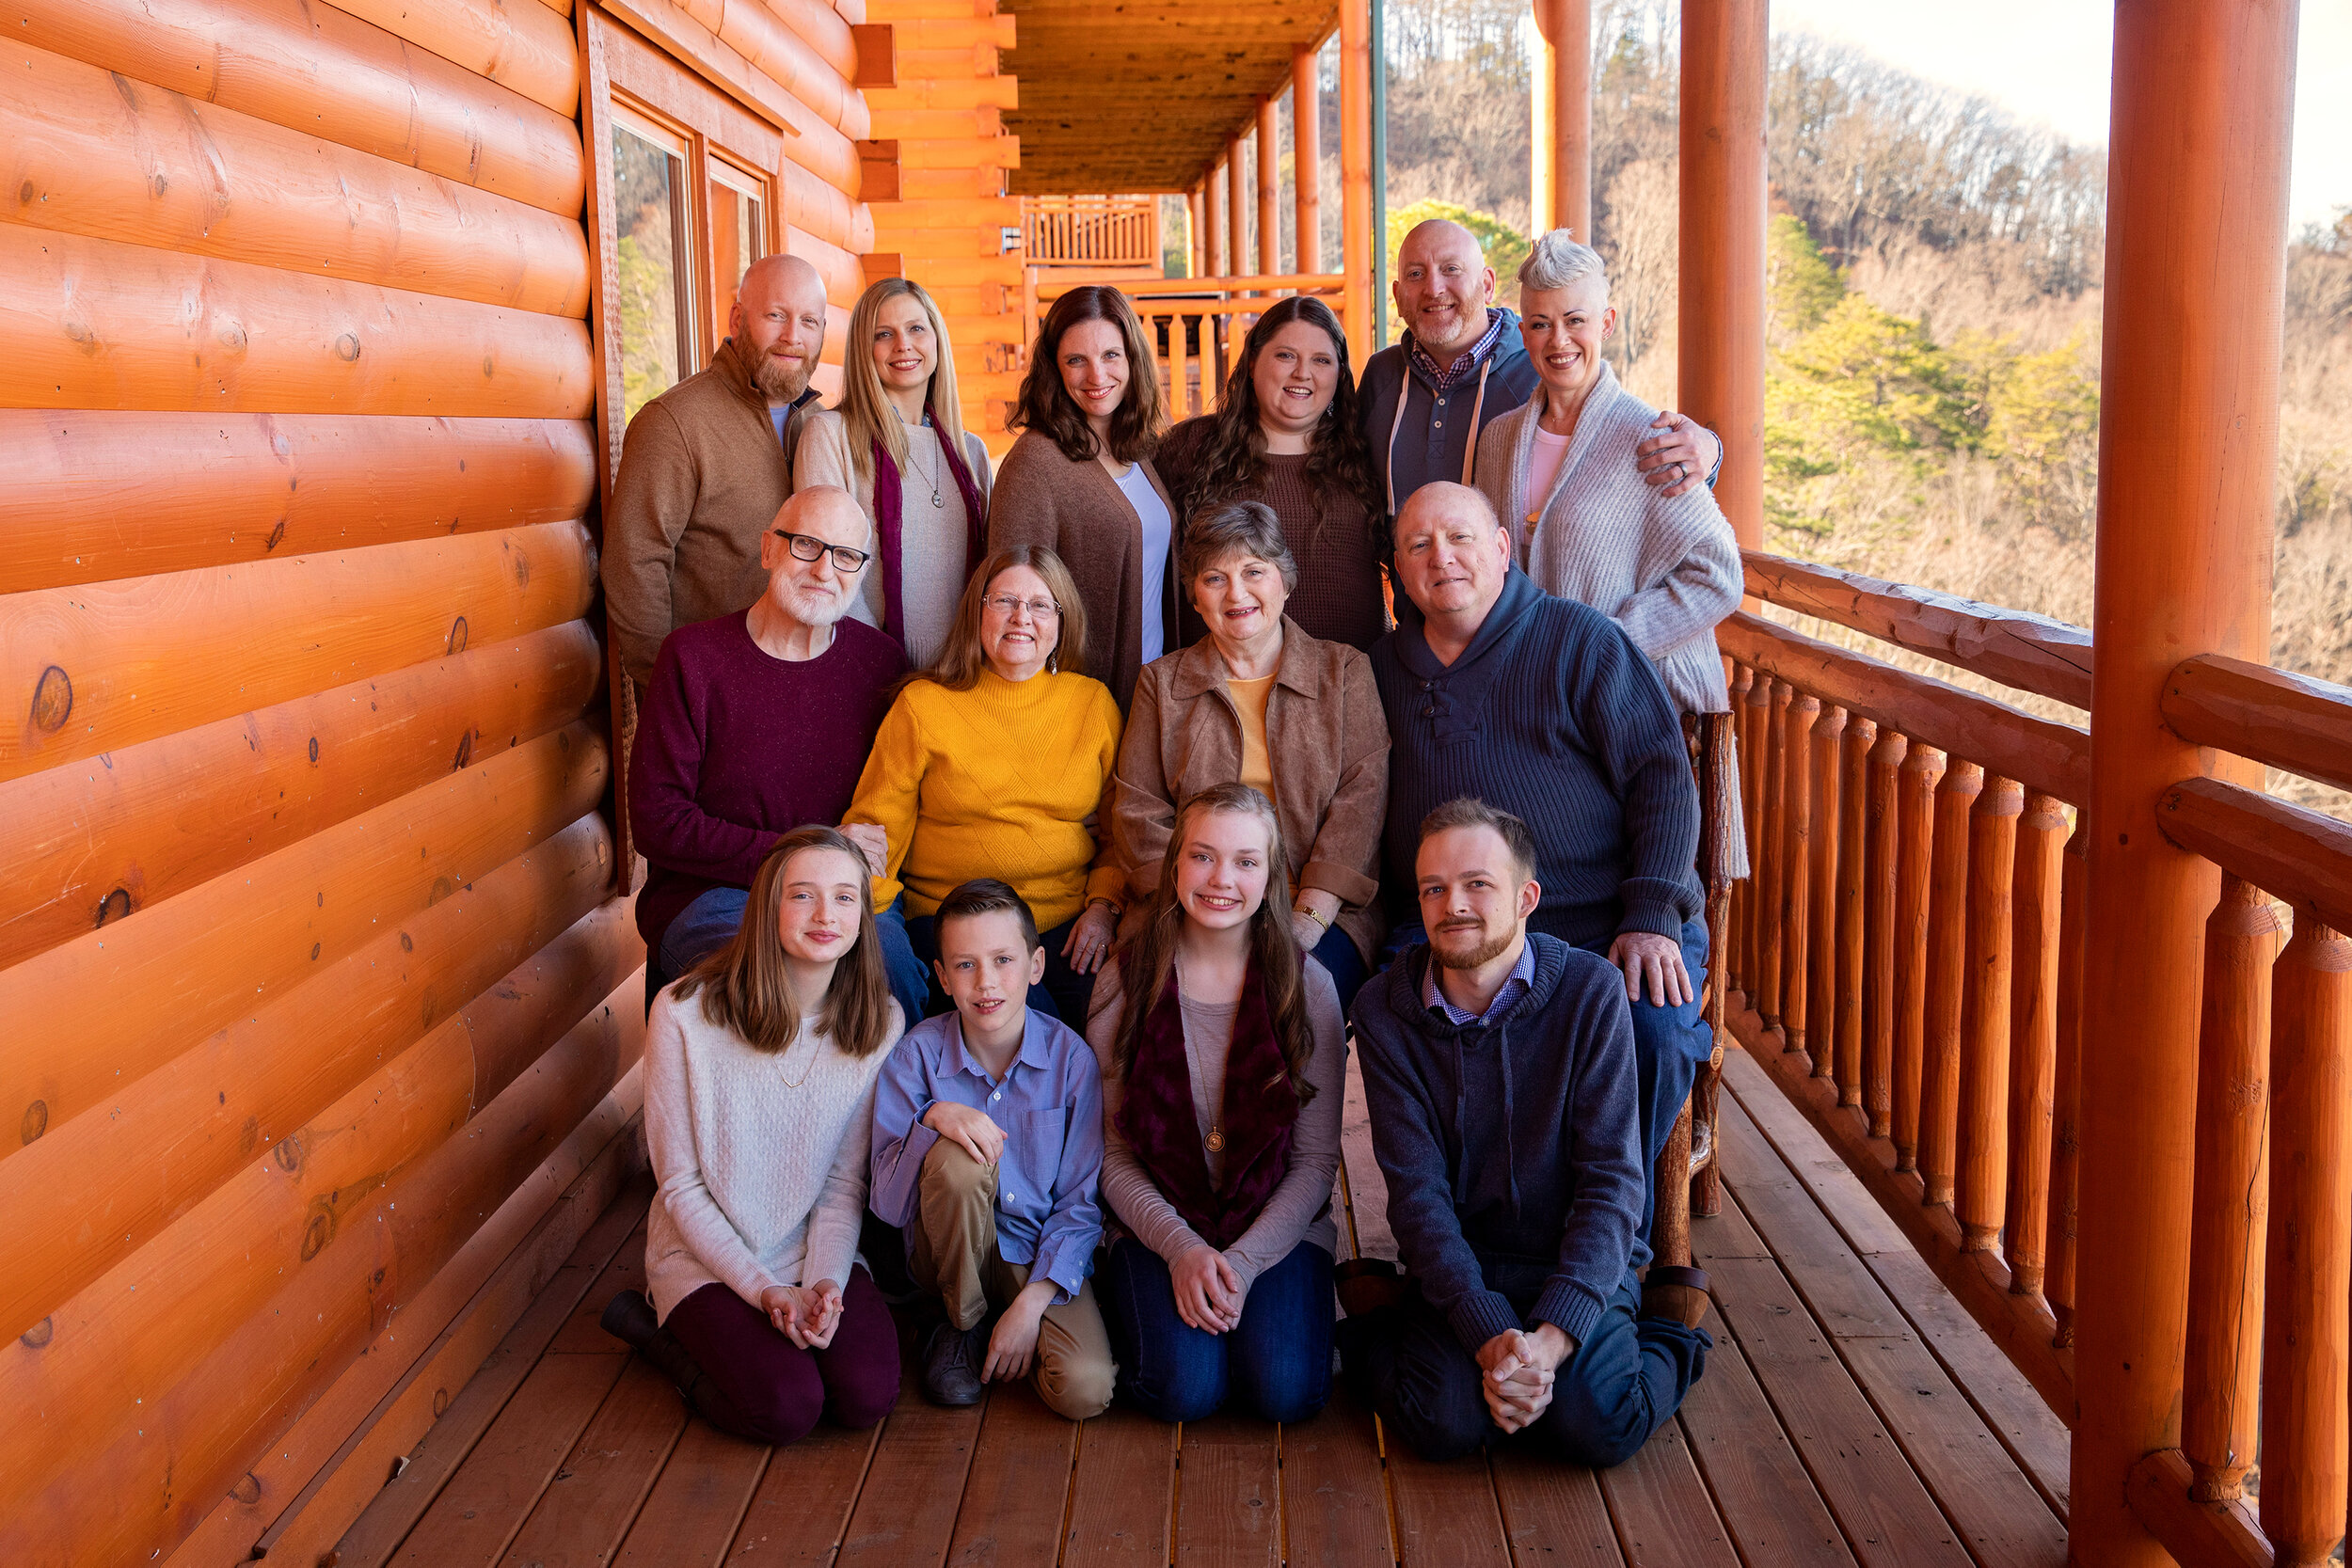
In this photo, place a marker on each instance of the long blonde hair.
(867, 415)
(962, 658)
(745, 987)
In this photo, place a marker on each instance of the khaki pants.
(952, 1250)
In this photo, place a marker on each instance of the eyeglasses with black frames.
(807, 547)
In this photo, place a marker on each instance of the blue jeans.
(711, 920)
(1624, 1382)
(1064, 992)
(1669, 1043)
(1278, 1359)
(1337, 954)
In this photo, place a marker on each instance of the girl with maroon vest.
(1223, 1054)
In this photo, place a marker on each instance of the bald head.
(1443, 286)
(1452, 556)
(779, 325)
(816, 593)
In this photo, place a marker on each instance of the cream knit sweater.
(761, 1159)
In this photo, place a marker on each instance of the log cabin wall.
(326, 996)
(947, 229)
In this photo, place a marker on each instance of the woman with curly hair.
(1287, 433)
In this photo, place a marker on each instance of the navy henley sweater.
(1553, 715)
(1512, 1149)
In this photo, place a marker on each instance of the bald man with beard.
(706, 467)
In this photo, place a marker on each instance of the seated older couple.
(1258, 701)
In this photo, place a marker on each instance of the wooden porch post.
(1721, 341)
(1306, 156)
(1213, 246)
(1561, 167)
(1357, 239)
(1269, 188)
(1198, 198)
(2197, 199)
(1237, 200)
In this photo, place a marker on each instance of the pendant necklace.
(939, 502)
(1215, 1140)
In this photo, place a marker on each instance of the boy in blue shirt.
(987, 1153)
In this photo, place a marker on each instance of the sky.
(2048, 60)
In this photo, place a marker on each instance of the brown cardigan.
(1076, 510)
(1329, 746)
(702, 476)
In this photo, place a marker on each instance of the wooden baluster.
(1758, 716)
(1984, 1018)
(2221, 1387)
(1176, 367)
(1796, 856)
(1774, 878)
(1820, 978)
(1842, 1022)
(1923, 768)
(1948, 978)
(1883, 820)
(2308, 1266)
(2033, 1036)
(2058, 1284)
(1732, 969)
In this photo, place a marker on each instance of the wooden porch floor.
(1851, 1414)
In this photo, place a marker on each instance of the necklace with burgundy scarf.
(890, 519)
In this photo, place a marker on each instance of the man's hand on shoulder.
(1680, 460)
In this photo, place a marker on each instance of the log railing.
(1091, 230)
(1196, 325)
(1910, 953)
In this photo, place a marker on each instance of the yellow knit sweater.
(995, 782)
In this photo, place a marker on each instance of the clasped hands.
(804, 1314)
(1209, 1291)
(1518, 1369)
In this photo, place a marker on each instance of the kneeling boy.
(988, 1151)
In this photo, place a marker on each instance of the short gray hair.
(1237, 528)
(1559, 261)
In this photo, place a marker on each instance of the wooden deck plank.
(1017, 1493)
(1727, 1234)
(1841, 1291)
(1228, 1501)
(377, 1534)
(1885, 1512)
(583, 1334)
(692, 1511)
(1554, 1514)
(1446, 1514)
(906, 1511)
(1125, 1492)
(1768, 1503)
(590, 1503)
(1663, 1516)
(800, 1510)
(1335, 1496)
(487, 1501)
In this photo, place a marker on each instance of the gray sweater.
(1667, 571)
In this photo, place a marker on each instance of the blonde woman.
(897, 443)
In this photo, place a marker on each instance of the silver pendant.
(937, 502)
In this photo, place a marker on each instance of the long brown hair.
(866, 412)
(1233, 465)
(1045, 404)
(1147, 958)
(745, 987)
(962, 658)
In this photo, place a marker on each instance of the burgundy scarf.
(890, 521)
(1157, 1119)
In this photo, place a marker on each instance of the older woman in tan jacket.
(1258, 701)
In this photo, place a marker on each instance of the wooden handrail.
(2274, 716)
(2031, 652)
(1155, 288)
(2282, 848)
(2039, 754)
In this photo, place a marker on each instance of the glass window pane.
(737, 235)
(645, 191)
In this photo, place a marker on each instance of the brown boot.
(1677, 1293)
(1368, 1284)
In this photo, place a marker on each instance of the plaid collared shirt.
(1463, 365)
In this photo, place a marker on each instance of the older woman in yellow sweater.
(994, 762)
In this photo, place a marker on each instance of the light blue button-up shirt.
(1515, 984)
(1049, 1213)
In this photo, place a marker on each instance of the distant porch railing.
(1911, 954)
(1098, 231)
(1196, 325)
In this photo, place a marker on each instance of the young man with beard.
(1499, 1070)
(756, 724)
(706, 465)
(1424, 401)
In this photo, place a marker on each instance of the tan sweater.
(702, 476)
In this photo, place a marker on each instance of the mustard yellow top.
(995, 782)
(1257, 767)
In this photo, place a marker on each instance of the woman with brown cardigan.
(1258, 701)
(1080, 482)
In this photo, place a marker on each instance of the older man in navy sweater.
(1545, 708)
(1499, 1071)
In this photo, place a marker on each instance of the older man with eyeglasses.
(754, 724)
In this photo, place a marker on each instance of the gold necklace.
(814, 1058)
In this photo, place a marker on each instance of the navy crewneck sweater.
(1553, 715)
(1512, 1149)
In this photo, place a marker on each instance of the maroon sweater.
(736, 748)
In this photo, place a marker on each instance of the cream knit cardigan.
(761, 1159)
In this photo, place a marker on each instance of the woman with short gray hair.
(1259, 702)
